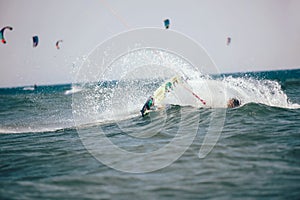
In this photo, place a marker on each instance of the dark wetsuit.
(147, 106)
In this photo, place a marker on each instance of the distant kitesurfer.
(148, 105)
(233, 102)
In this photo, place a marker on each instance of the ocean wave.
(18, 130)
(73, 90)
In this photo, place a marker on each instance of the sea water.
(257, 155)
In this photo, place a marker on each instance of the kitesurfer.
(148, 105)
(233, 102)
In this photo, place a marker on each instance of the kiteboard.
(155, 109)
(146, 112)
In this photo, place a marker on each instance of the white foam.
(29, 129)
(28, 88)
(73, 90)
(248, 90)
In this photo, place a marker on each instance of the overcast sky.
(265, 33)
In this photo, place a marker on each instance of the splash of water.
(246, 89)
(121, 89)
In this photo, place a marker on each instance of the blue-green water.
(257, 156)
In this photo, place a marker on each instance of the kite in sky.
(228, 41)
(167, 23)
(35, 40)
(57, 44)
(2, 33)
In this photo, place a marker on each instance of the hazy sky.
(265, 33)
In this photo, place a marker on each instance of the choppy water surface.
(256, 156)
